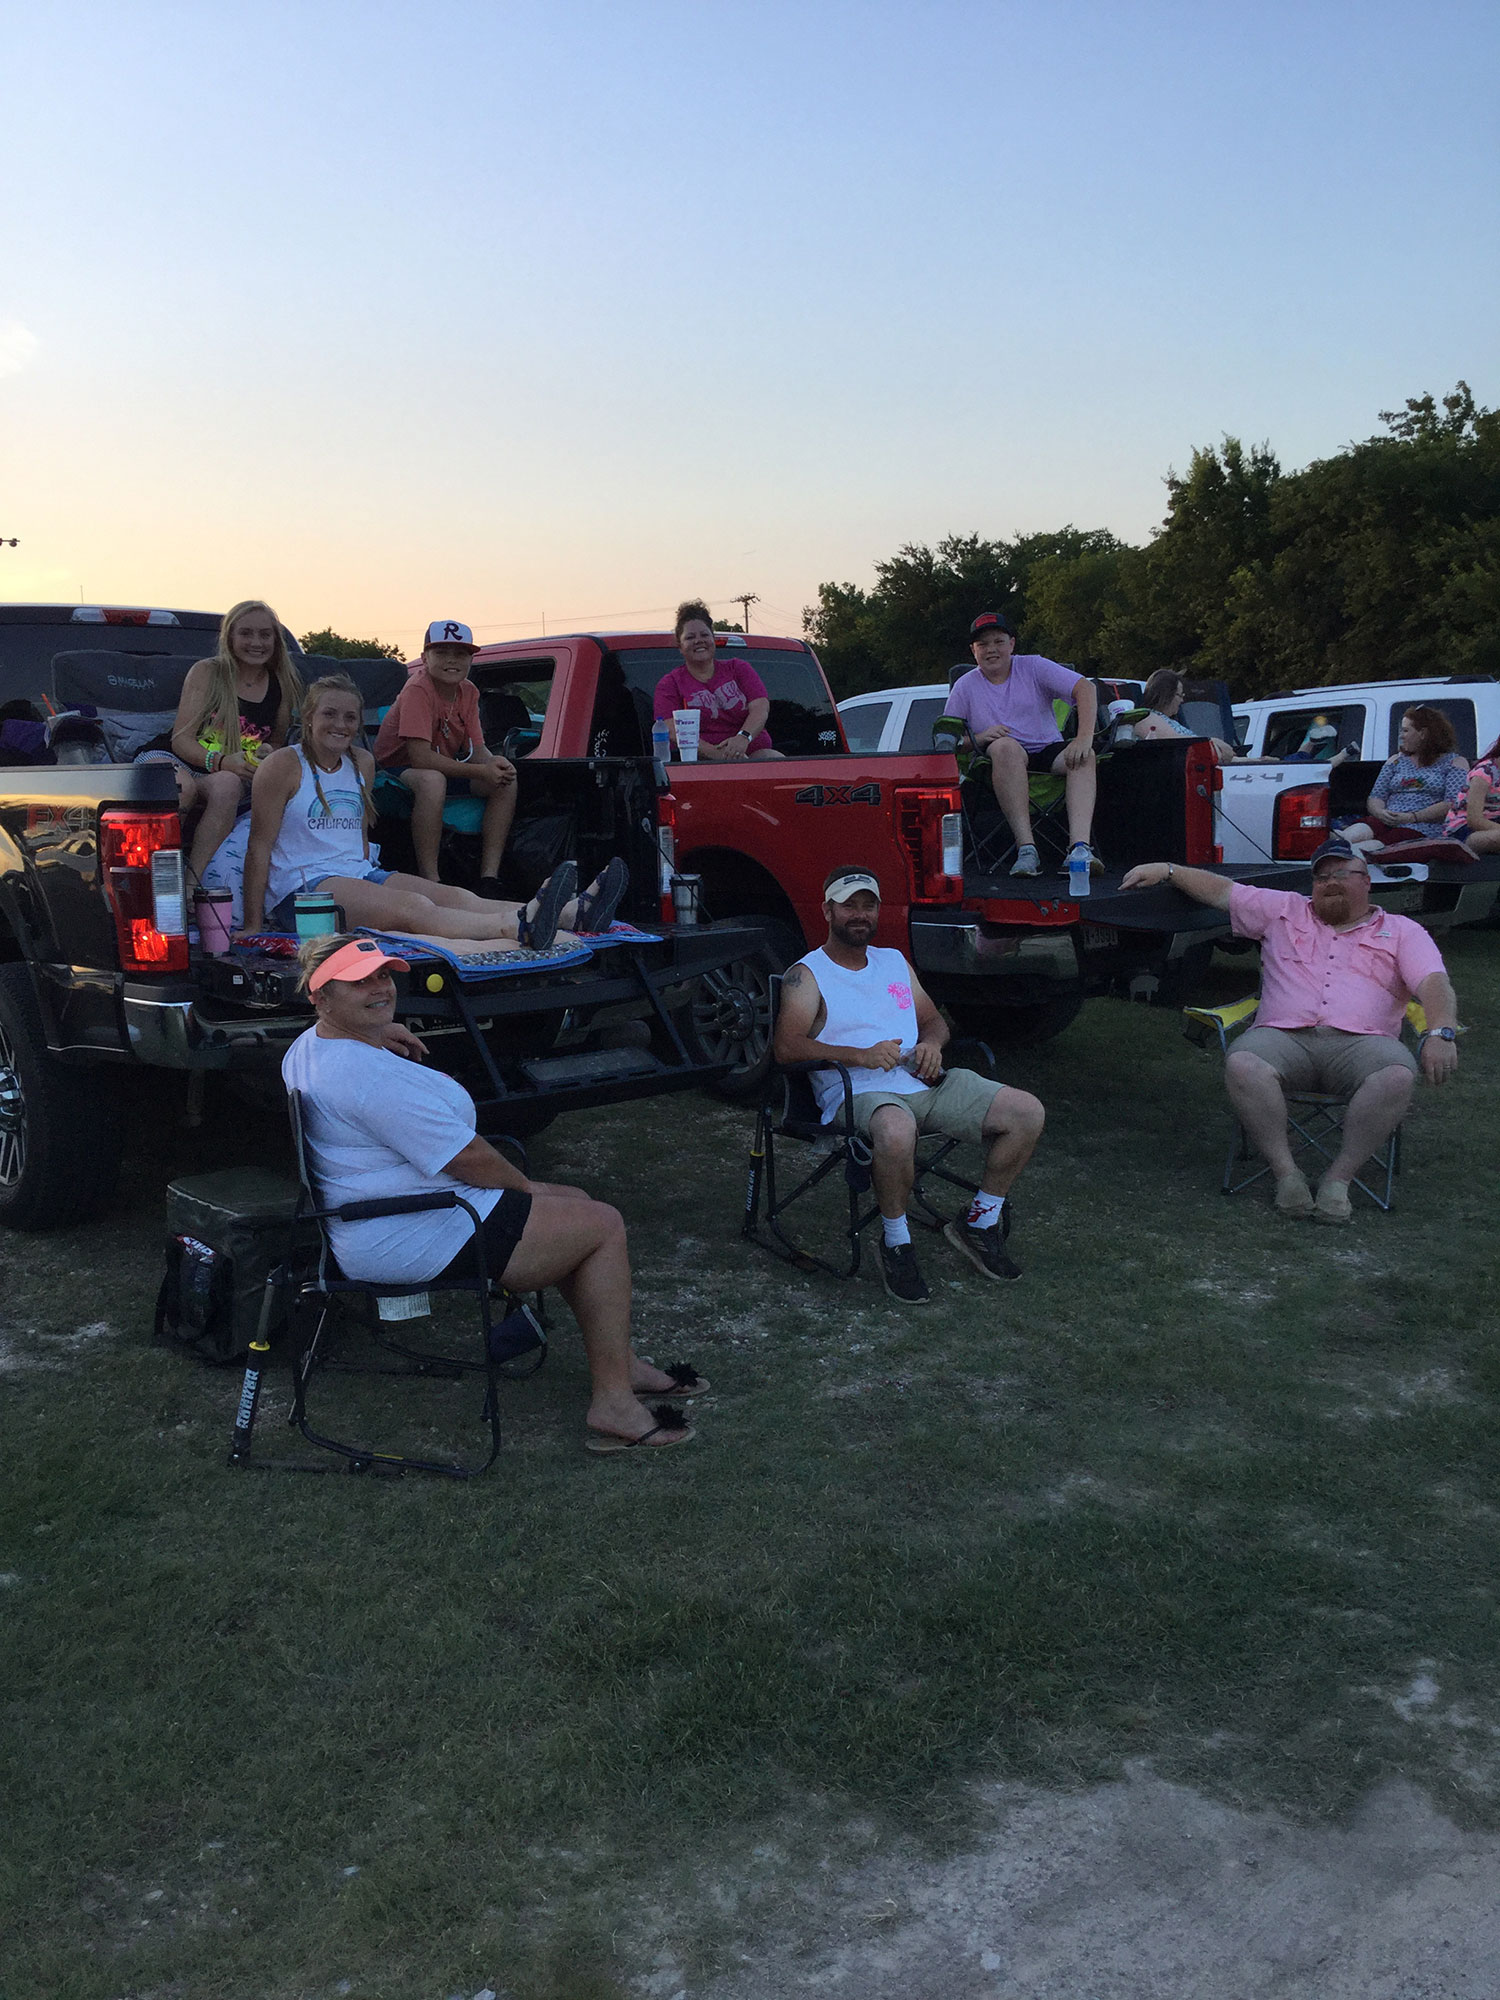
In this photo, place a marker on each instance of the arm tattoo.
(794, 975)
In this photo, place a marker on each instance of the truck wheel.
(728, 1018)
(1018, 1027)
(60, 1129)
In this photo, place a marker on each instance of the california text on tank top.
(864, 1008)
(319, 836)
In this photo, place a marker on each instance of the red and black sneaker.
(985, 1248)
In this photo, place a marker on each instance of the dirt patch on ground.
(1147, 1889)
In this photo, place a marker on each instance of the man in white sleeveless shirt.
(860, 1004)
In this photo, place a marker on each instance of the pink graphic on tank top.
(900, 993)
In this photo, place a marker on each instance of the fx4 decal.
(838, 795)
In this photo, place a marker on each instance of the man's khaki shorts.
(1328, 1059)
(955, 1107)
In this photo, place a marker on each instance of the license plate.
(1099, 937)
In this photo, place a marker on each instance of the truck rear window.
(863, 722)
(1313, 733)
(1459, 712)
(917, 735)
(802, 724)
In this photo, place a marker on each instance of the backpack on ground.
(226, 1231)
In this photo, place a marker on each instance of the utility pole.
(747, 598)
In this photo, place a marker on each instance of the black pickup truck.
(98, 972)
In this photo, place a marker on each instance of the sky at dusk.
(559, 312)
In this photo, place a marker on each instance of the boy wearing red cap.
(1006, 700)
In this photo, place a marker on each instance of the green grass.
(1207, 1487)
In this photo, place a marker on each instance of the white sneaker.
(1027, 861)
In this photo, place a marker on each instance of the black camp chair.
(378, 678)
(134, 697)
(320, 1294)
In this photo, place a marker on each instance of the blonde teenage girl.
(311, 814)
(235, 709)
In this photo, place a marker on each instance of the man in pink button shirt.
(1336, 974)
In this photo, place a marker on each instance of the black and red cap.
(991, 621)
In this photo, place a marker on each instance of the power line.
(575, 620)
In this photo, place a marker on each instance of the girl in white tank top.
(322, 831)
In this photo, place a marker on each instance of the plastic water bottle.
(661, 740)
(1078, 873)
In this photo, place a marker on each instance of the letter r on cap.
(450, 630)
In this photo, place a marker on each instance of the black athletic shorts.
(1038, 762)
(501, 1230)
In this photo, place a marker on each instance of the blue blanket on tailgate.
(481, 961)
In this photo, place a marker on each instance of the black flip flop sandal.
(686, 1381)
(600, 900)
(671, 1426)
(559, 889)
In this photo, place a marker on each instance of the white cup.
(685, 721)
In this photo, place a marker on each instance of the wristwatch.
(1441, 1034)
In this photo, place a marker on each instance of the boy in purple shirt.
(1007, 703)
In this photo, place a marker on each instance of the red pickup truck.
(1009, 959)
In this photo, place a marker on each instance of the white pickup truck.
(1264, 803)
(1274, 806)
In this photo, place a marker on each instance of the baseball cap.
(1338, 850)
(448, 632)
(842, 887)
(355, 960)
(991, 621)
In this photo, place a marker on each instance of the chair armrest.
(806, 1068)
(409, 1204)
(396, 1204)
(1201, 1024)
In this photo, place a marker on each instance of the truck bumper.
(171, 1034)
(966, 949)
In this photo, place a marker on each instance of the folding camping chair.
(789, 1110)
(1315, 1118)
(320, 1295)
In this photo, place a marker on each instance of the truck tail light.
(141, 861)
(1301, 822)
(666, 847)
(930, 829)
(1203, 781)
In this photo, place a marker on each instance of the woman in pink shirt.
(728, 693)
(1476, 822)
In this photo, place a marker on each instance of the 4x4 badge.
(838, 795)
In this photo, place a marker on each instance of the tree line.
(1381, 562)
